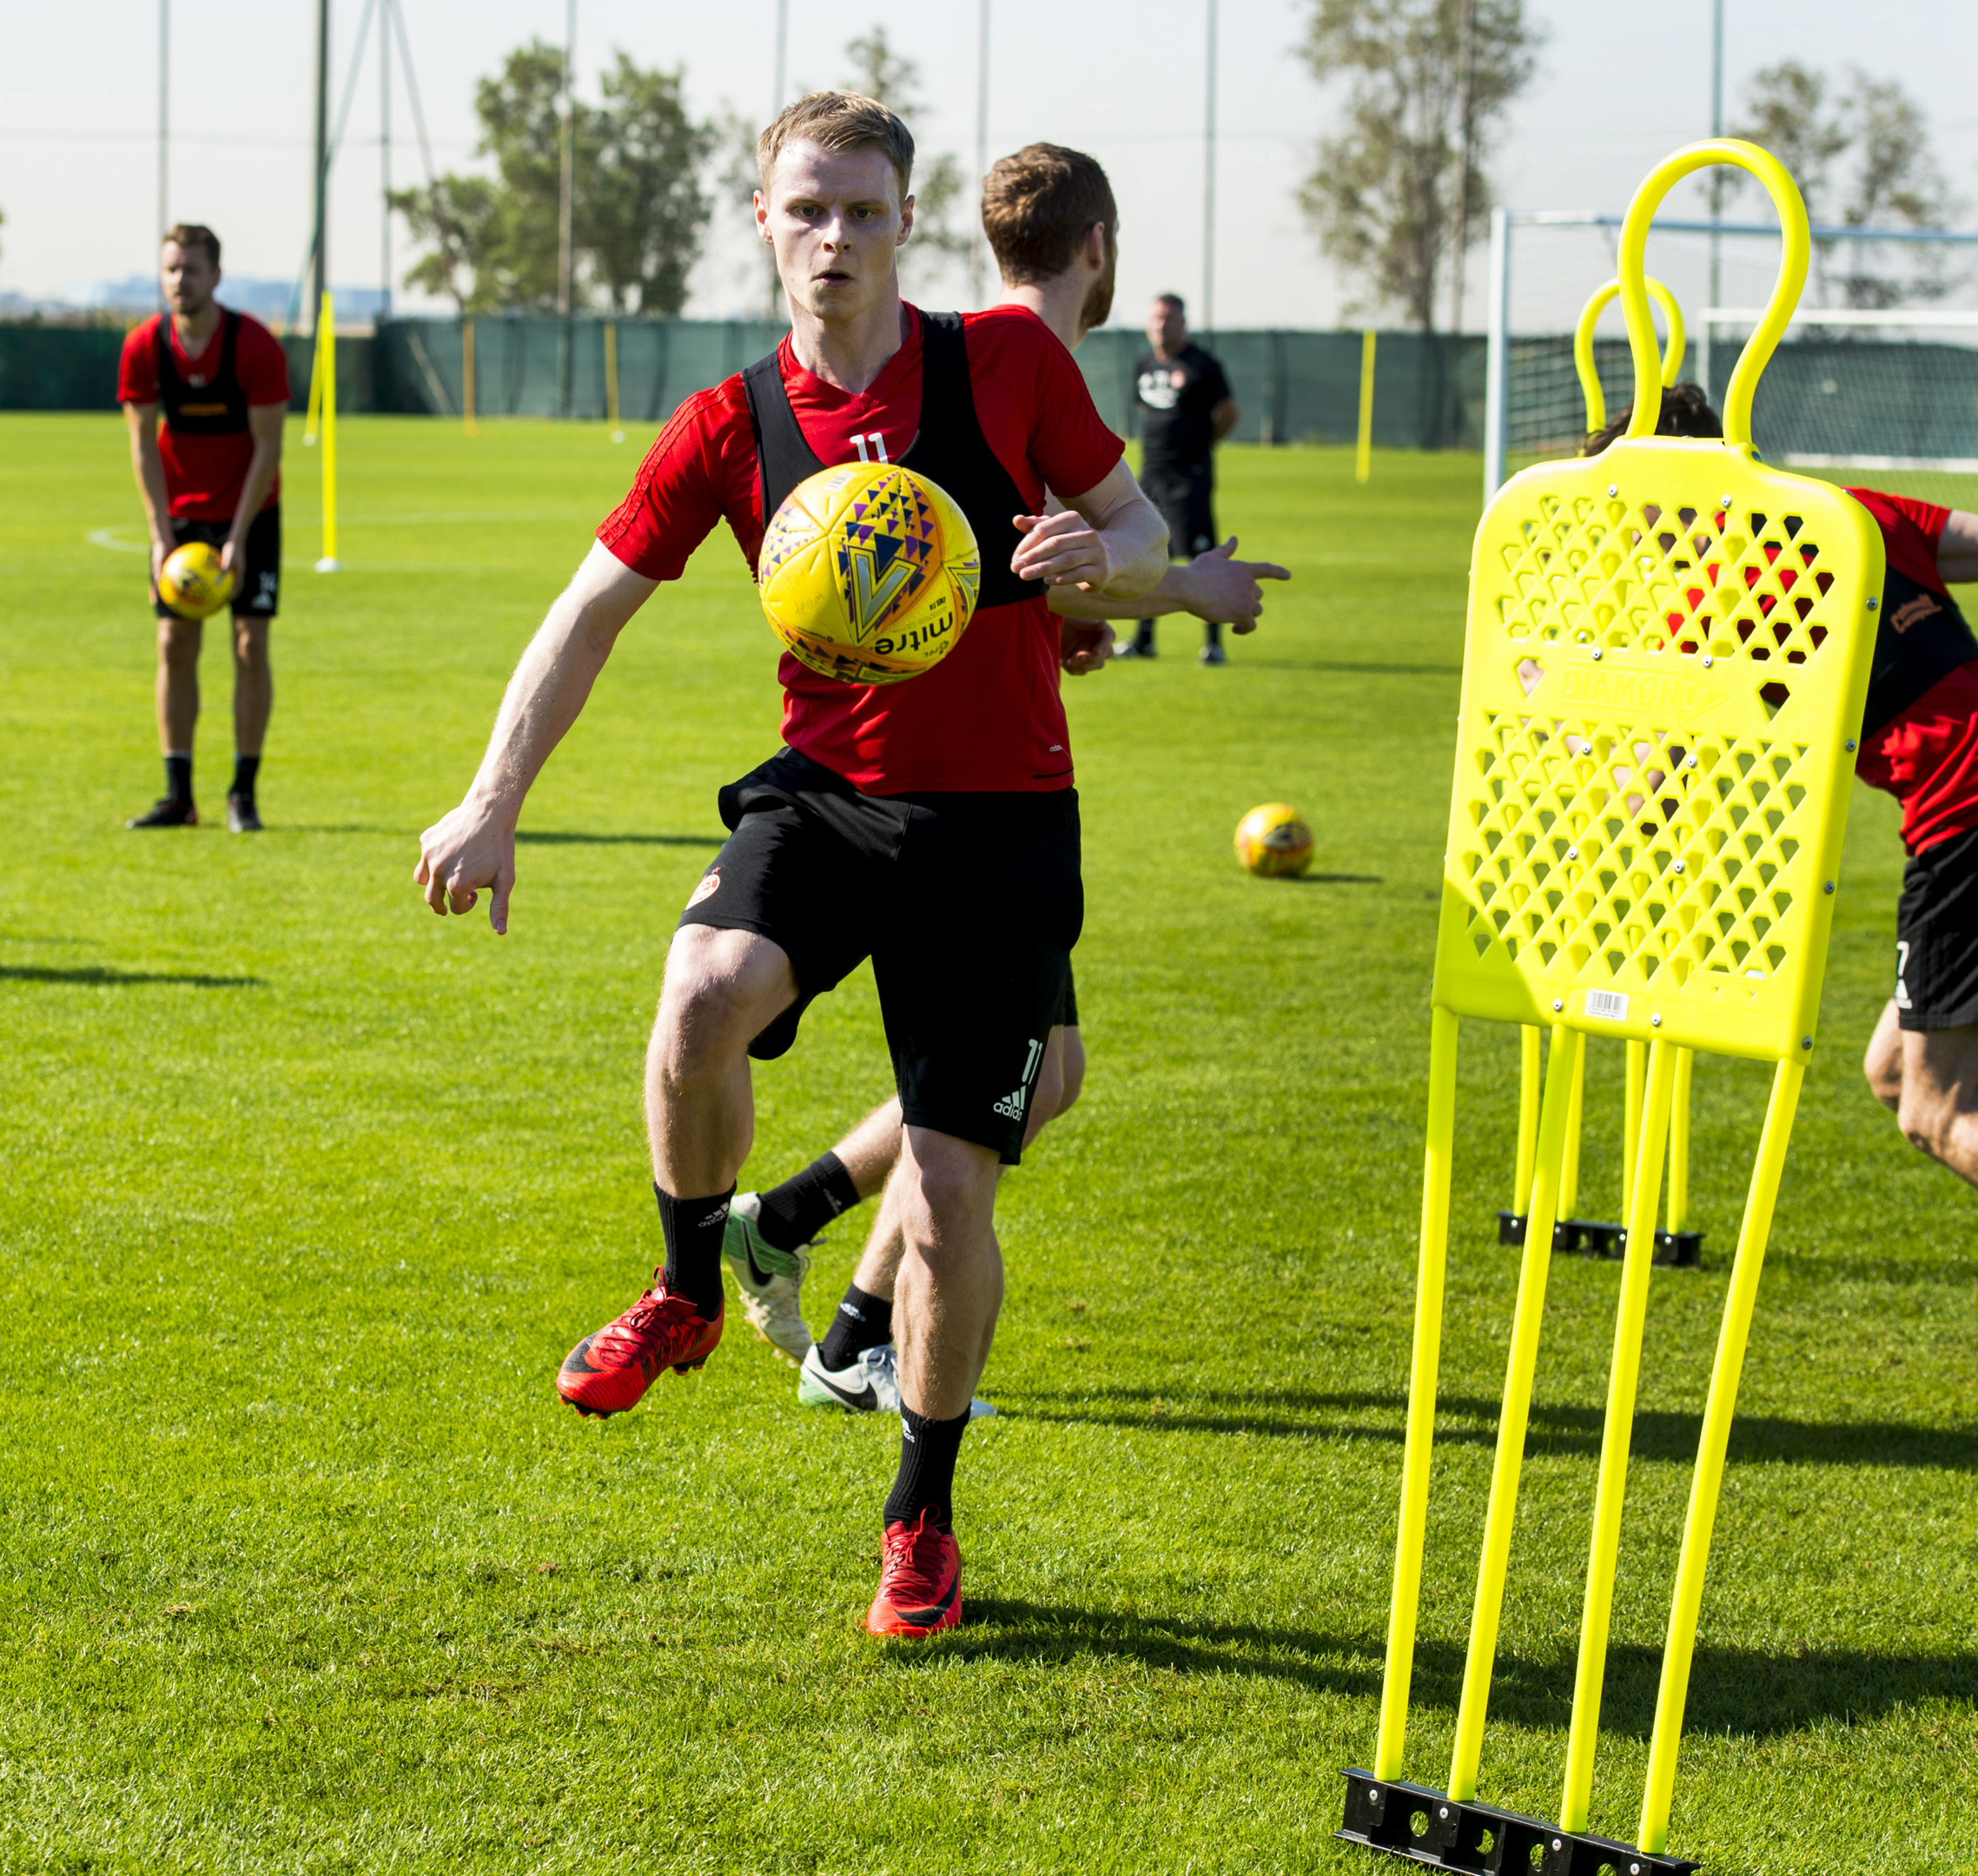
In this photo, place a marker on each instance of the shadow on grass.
(544, 838)
(1304, 1413)
(1335, 879)
(1921, 1269)
(1335, 664)
(102, 974)
(1731, 1690)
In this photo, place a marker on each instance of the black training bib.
(949, 450)
(1921, 637)
(218, 407)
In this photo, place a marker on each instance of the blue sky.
(1122, 79)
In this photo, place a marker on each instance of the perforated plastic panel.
(1666, 662)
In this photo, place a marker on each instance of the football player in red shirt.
(931, 825)
(1919, 743)
(1052, 224)
(204, 391)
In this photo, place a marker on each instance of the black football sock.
(926, 1481)
(1143, 636)
(794, 1212)
(178, 776)
(246, 769)
(1212, 632)
(863, 1322)
(693, 1230)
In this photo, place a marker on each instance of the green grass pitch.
(304, 1193)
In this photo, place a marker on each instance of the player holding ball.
(931, 825)
(204, 391)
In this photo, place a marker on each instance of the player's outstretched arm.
(473, 848)
(1958, 549)
(1110, 540)
(1213, 586)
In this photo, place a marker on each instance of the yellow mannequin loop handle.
(1628, 265)
(1583, 344)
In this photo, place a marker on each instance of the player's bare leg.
(254, 701)
(1929, 1079)
(178, 716)
(721, 989)
(951, 1288)
(855, 1365)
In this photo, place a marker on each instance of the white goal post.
(1887, 388)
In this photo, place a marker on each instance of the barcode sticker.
(1610, 1006)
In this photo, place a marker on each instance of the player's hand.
(1084, 645)
(1225, 589)
(161, 552)
(1061, 549)
(230, 554)
(459, 856)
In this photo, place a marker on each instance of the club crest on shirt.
(709, 884)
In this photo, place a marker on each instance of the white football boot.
(871, 1384)
(773, 1308)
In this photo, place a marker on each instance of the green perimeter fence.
(1293, 386)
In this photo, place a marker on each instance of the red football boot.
(920, 1580)
(608, 1371)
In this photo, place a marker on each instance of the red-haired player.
(204, 391)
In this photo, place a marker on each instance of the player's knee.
(178, 643)
(250, 644)
(951, 1192)
(720, 993)
(1926, 1120)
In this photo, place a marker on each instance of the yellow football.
(192, 582)
(1273, 841)
(868, 573)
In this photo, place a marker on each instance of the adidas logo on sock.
(713, 1217)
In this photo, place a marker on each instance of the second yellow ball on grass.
(868, 573)
(1273, 841)
(193, 583)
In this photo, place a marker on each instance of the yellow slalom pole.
(1529, 1036)
(1718, 1407)
(612, 379)
(1363, 462)
(326, 371)
(1562, 1075)
(1421, 1398)
(1623, 1375)
(1679, 1143)
(1569, 1173)
(1631, 1126)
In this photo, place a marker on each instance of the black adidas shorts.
(967, 905)
(1186, 498)
(1936, 936)
(258, 590)
(1068, 1011)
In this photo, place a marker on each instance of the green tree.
(1861, 154)
(637, 205)
(1426, 81)
(883, 74)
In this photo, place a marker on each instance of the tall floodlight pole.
(385, 161)
(320, 246)
(1209, 183)
(982, 144)
(567, 201)
(1716, 190)
(164, 123)
(1461, 237)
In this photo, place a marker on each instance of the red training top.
(988, 718)
(1927, 757)
(203, 474)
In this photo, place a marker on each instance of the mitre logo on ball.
(868, 573)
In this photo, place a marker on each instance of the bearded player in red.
(931, 825)
(204, 391)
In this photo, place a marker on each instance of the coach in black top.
(1186, 409)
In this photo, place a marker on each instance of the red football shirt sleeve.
(137, 370)
(261, 364)
(1069, 443)
(1910, 532)
(692, 476)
